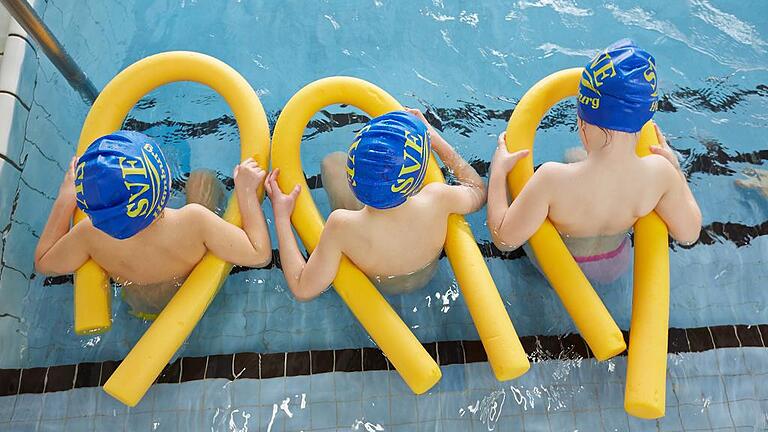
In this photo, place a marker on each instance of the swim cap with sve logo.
(122, 182)
(388, 160)
(618, 88)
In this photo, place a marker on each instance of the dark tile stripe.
(171, 373)
(247, 365)
(88, 375)
(193, 368)
(272, 365)
(33, 380)
(220, 366)
(250, 365)
(9, 381)
(61, 378)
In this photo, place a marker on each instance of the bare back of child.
(122, 183)
(596, 199)
(384, 221)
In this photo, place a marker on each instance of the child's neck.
(620, 147)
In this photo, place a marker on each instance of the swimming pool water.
(465, 63)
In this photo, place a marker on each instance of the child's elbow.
(263, 258)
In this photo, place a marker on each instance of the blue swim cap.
(388, 159)
(122, 182)
(618, 88)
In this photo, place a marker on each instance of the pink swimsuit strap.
(603, 256)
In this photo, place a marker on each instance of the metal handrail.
(31, 22)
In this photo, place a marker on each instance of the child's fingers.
(295, 192)
(502, 141)
(516, 156)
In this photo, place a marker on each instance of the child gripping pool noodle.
(597, 197)
(122, 182)
(383, 220)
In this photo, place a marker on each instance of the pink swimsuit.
(602, 268)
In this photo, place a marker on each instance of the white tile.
(19, 68)
(13, 119)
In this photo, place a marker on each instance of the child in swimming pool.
(122, 182)
(593, 202)
(383, 220)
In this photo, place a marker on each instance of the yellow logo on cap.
(593, 79)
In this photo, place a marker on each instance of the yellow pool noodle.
(385, 327)
(152, 352)
(579, 298)
(645, 392)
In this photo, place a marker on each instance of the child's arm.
(677, 207)
(467, 197)
(59, 250)
(512, 225)
(249, 246)
(306, 279)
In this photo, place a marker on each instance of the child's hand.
(67, 188)
(503, 161)
(249, 175)
(282, 204)
(663, 149)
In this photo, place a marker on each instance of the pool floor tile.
(323, 415)
(377, 410)
(694, 417)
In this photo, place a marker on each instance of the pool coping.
(251, 365)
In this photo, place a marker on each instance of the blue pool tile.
(166, 420)
(82, 402)
(271, 417)
(191, 395)
(453, 379)
(32, 427)
(272, 391)
(246, 392)
(323, 415)
(611, 395)
(586, 398)
(296, 386)
(6, 408)
(106, 405)
(403, 409)
(587, 420)
(28, 408)
(696, 390)
(671, 421)
(452, 404)
(739, 387)
(755, 360)
(504, 424)
(55, 405)
(166, 397)
(376, 409)
(562, 421)
(455, 425)
(640, 425)
(348, 414)
(83, 424)
(746, 412)
(428, 406)
(693, 417)
(110, 422)
(322, 388)
(732, 361)
(539, 423)
(376, 383)
(719, 415)
(614, 419)
(349, 386)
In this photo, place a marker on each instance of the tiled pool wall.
(708, 389)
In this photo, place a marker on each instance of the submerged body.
(396, 247)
